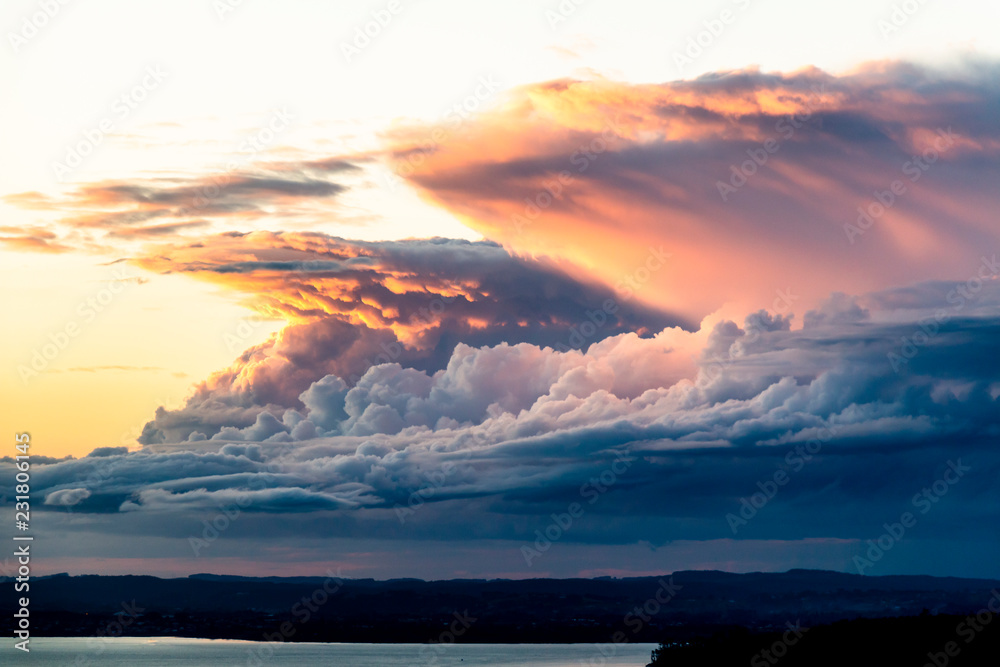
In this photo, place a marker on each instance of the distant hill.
(691, 604)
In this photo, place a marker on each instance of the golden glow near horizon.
(113, 89)
(93, 350)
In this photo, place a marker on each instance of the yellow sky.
(108, 351)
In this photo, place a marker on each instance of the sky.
(445, 289)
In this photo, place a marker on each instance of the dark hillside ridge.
(684, 604)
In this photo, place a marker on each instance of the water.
(173, 652)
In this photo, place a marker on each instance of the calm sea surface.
(171, 652)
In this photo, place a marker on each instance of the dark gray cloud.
(172, 206)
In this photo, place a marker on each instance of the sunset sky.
(402, 298)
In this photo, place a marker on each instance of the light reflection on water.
(174, 652)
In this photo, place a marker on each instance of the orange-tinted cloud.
(599, 172)
(96, 214)
(168, 229)
(29, 200)
(352, 305)
(31, 239)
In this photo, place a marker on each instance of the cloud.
(353, 305)
(35, 239)
(509, 432)
(267, 500)
(67, 497)
(30, 200)
(107, 451)
(96, 215)
(168, 229)
(480, 454)
(564, 166)
(223, 191)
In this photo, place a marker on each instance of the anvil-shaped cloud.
(752, 180)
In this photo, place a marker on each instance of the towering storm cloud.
(353, 305)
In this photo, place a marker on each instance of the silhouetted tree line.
(917, 641)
